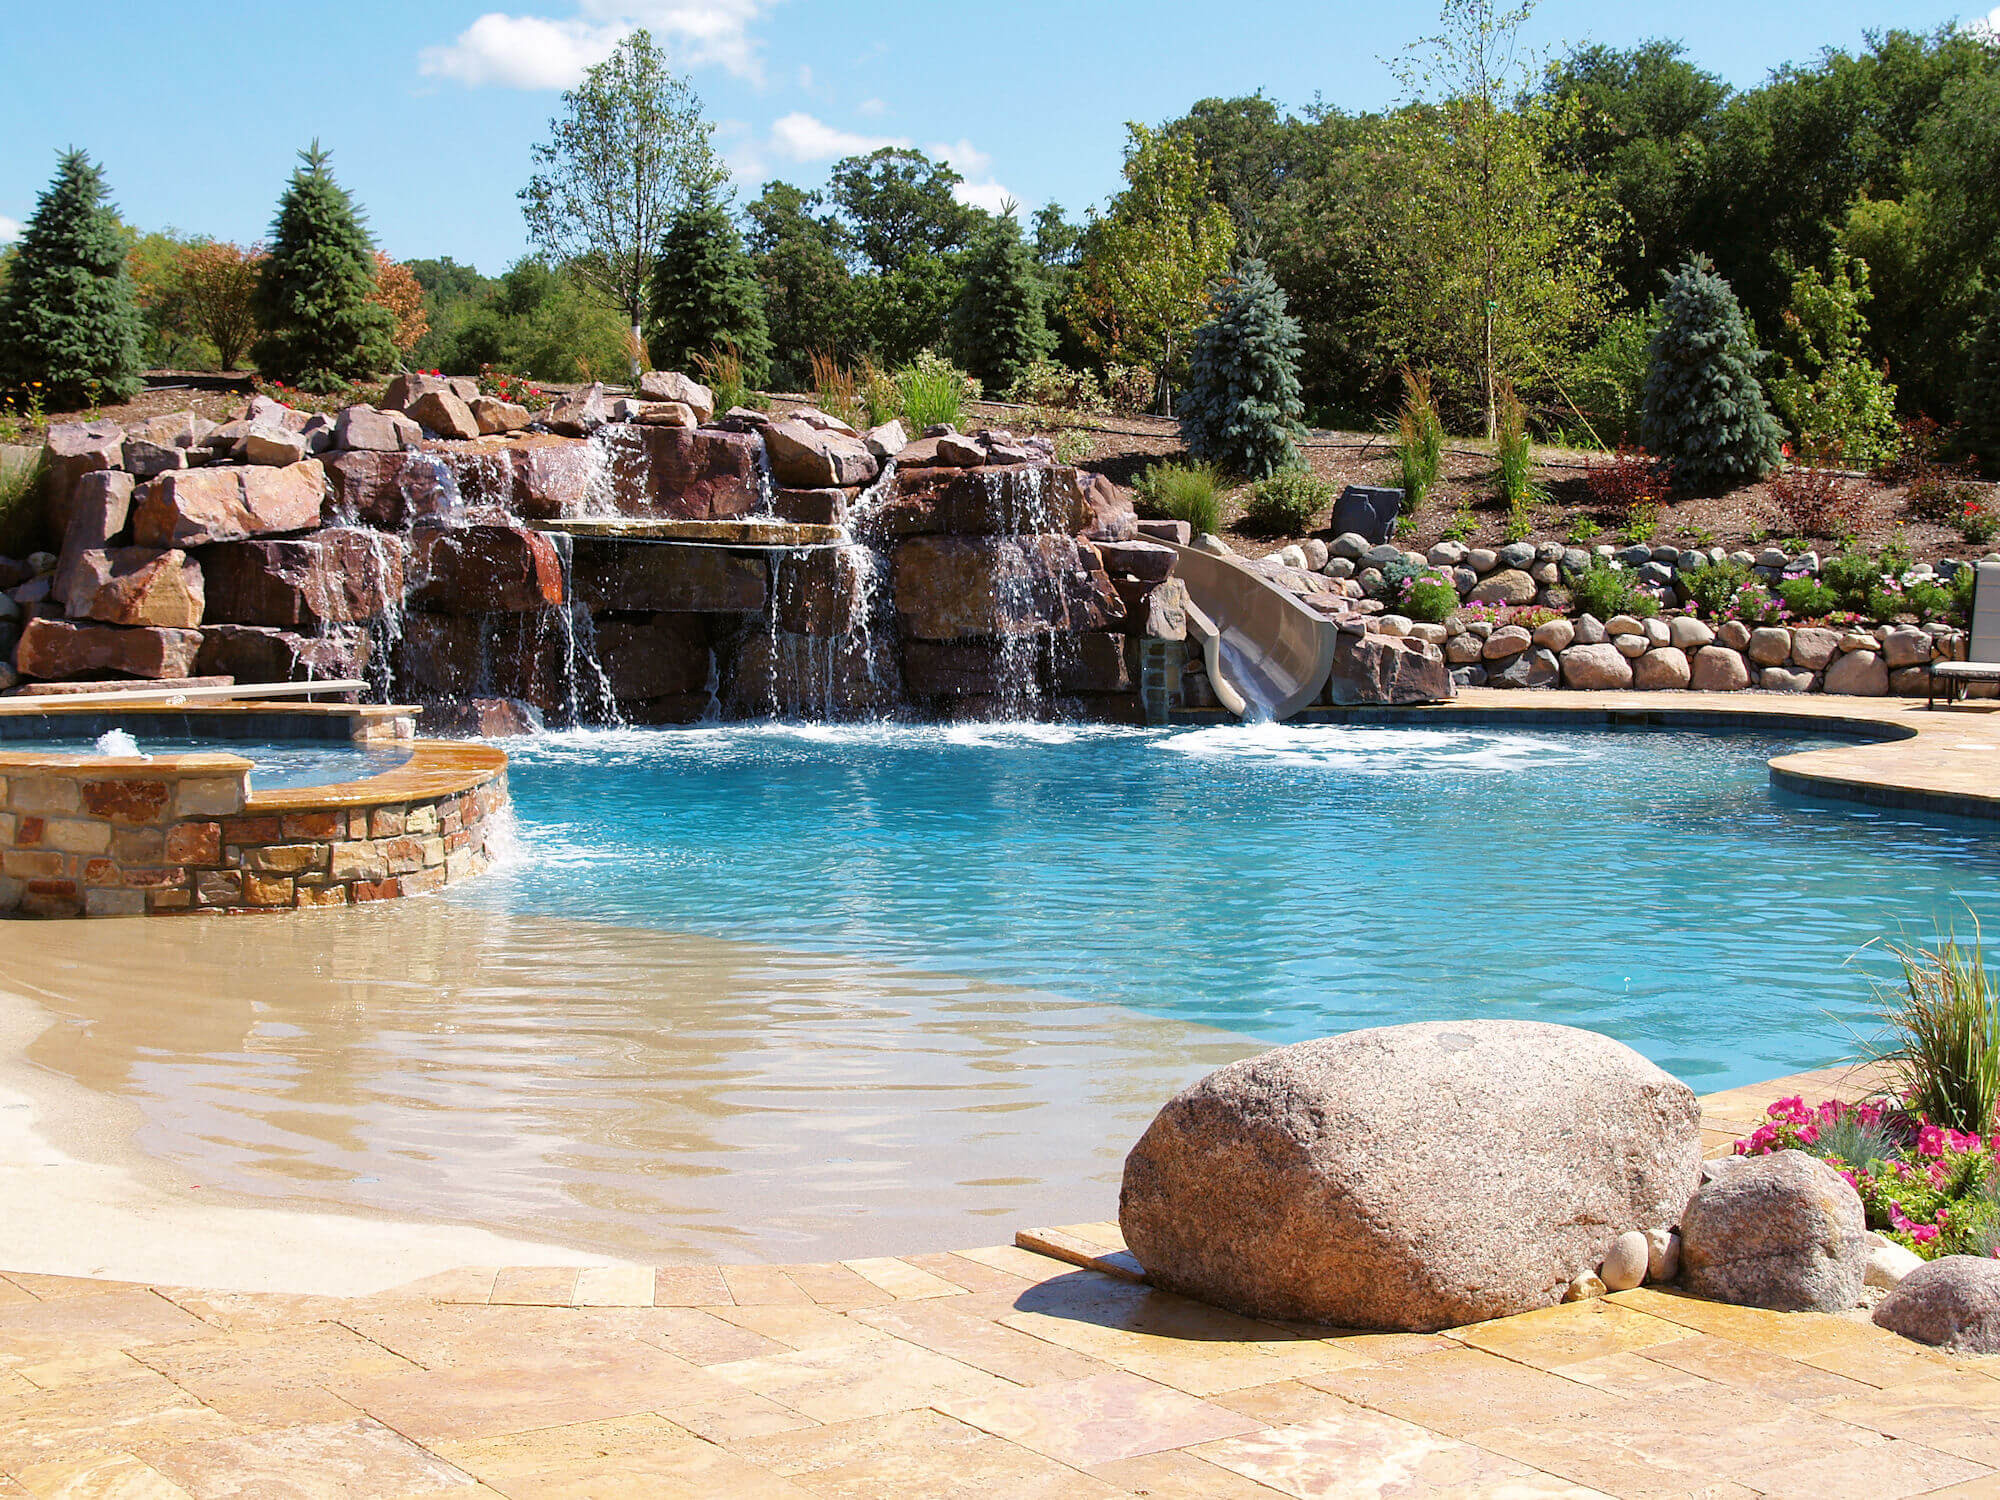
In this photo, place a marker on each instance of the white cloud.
(802, 138)
(1992, 24)
(965, 158)
(988, 195)
(871, 109)
(538, 52)
(521, 52)
(10, 230)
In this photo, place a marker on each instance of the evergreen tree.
(315, 293)
(1242, 406)
(706, 294)
(1702, 409)
(998, 324)
(69, 317)
(1979, 402)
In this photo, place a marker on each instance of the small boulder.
(1782, 1231)
(886, 441)
(1662, 670)
(1505, 586)
(958, 452)
(579, 415)
(137, 586)
(1663, 1255)
(1813, 647)
(272, 447)
(1859, 673)
(1285, 1185)
(1770, 646)
(1717, 669)
(375, 431)
(804, 457)
(671, 385)
(1381, 669)
(443, 413)
(496, 418)
(1952, 1302)
(1625, 1266)
(1889, 1262)
(666, 414)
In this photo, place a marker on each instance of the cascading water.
(585, 688)
(1027, 513)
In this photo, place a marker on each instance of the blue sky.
(430, 109)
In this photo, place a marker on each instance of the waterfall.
(585, 689)
(1026, 512)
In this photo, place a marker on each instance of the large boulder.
(1596, 668)
(1368, 513)
(1409, 1177)
(471, 570)
(137, 586)
(99, 509)
(695, 475)
(196, 506)
(954, 587)
(266, 653)
(55, 649)
(1388, 669)
(610, 575)
(805, 457)
(1952, 1302)
(1861, 674)
(72, 450)
(1782, 1231)
(336, 576)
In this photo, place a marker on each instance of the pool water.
(280, 764)
(1281, 882)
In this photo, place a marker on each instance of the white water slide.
(1268, 656)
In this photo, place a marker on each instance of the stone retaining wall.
(99, 838)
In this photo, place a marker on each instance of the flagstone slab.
(1101, 1418)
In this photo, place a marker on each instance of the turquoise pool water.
(279, 763)
(1278, 882)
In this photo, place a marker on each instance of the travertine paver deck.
(998, 1371)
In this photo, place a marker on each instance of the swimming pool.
(794, 993)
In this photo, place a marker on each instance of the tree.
(213, 292)
(1980, 398)
(1493, 267)
(899, 204)
(315, 290)
(629, 151)
(1151, 258)
(1837, 400)
(1242, 407)
(68, 314)
(706, 295)
(398, 290)
(1703, 410)
(809, 294)
(998, 323)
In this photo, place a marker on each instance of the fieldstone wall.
(84, 839)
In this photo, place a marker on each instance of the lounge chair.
(1982, 643)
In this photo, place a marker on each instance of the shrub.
(1807, 599)
(515, 388)
(1183, 492)
(1927, 601)
(1463, 524)
(835, 389)
(69, 318)
(23, 518)
(1611, 374)
(1515, 455)
(1128, 387)
(1285, 503)
(1929, 1187)
(1428, 597)
(1242, 405)
(1977, 522)
(1048, 383)
(1419, 445)
(933, 391)
(1703, 409)
(1962, 585)
(1851, 577)
(722, 370)
(1629, 479)
(1833, 396)
(1814, 501)
(1942, 1033)
(1712, 591)
(1604, 591)
(322, 328)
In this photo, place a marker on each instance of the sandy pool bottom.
(341, 1101)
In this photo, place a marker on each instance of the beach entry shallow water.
(794, 992)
